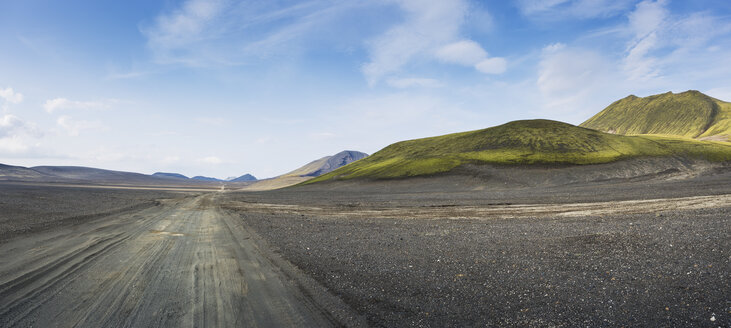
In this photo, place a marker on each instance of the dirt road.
(183, 263)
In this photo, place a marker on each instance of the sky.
(222, 88)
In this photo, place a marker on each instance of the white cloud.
(469, 53)
(222, 32)
(430, 31)
(187, 23)
(9, 123)
(179, 31)
(306, 18)
(12, 125)
(530, 7)
(428, 25)
(562, 9)
(463, 52)
(664, 43)
(569, 80)
(211, 160)
(664, 51)
(647, 17)
(495, 65)
(645, 23)
(74, 128)
(16, 135)
(13, 145)
(55, 104)
(403, 83)
(552, 48)
(11, 96)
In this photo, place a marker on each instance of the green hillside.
(689, 114)
(520, 142)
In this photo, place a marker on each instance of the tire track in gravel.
(177, 264)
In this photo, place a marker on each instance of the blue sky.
(222, 87)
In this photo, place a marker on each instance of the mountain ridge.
(308, 171)
(82, 174)
(689, 114)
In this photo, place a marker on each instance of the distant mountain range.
(79, 174)
(244, 178)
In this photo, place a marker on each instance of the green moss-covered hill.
(689, 114)
(520, 142)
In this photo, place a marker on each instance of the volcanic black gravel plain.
(488, 258)
(644, 251)
(27, 208)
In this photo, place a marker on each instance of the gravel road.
(181, 263)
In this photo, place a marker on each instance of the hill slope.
(689, 114)
(308, 171)
(89, 173)
(520, 142)
(327, 164)
(169, 175)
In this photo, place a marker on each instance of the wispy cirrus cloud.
(74, 127)
(570, 78)
(414, 82)
(664, 50)
(218, 32)
(53, 105)
(429, 29)
(553, 10)
(662, 41)
(227, 32)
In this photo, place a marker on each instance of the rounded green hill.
(520, 143)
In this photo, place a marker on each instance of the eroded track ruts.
(177, 264)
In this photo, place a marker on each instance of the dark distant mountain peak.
(169, 175)
(243, 178)
(336, 161)
(202, 178)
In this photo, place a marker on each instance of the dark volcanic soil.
(27, 208)
(402, 254)
(659, 268)
(646, 270)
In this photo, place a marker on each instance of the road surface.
(181, 264)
